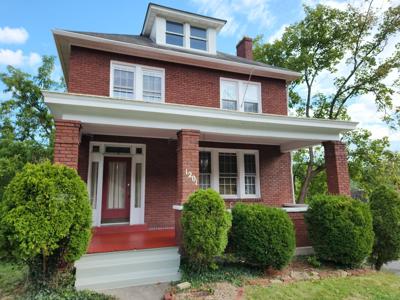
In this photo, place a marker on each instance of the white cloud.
(238, 13)
(18, 59)
(13, 35)
(278, 34)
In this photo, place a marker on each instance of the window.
(250, 174)
(152, 85)
(198, 38)
(232, 172)
(136, 82)
(228, 174)
(205, 170)
(123, 85)
(240, 95)
(174, 34)
(229, 94)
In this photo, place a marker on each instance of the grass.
(12, 278)
(382, 286)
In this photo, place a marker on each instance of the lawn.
(12, 277)
(374, 286)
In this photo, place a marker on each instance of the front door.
(116, 190)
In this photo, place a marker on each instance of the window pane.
(116, 184)
(94, 177)
(251, 93)
(250, 174)
(152, 86)
(227, 173)
(198, 44)
(173, 39)
(229, 90)
(205, 170)
(198, 32)
(250, 107)
(138, 186)
(123, 84)
(229, 104)
(175, 27)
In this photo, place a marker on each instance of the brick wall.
(337, 171)
(245, 48)
(300, 228)
(66, 144)
(89, 73)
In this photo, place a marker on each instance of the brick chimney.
(245, 48)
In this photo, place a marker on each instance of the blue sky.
(25, 31)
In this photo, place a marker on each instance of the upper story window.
(129, 81)
(174, 34)
(198, 38)
(240, 95)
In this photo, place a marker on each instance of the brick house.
(150, 118)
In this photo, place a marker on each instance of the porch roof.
(111, 116)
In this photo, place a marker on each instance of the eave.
(110, 116)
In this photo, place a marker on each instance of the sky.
(25, 33)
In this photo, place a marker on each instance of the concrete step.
(127, 268)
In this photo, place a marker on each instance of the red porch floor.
(122, 240)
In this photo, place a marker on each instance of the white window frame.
(197, 38)
(241, 89)
(174, 33)
(138, 79)
(241, 174)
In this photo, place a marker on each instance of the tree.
(26, 125)
(324, 41)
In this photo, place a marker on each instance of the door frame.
(136, 215)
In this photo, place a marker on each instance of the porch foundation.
(66, 145)
(187, 171)
(337, 171)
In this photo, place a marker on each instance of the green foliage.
(66, 294)
(205, 225)
(385, 208)
(340, 229)
(262, 235)
(45, 218)
(313, 261)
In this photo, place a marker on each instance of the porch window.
(234, 173)
(152, 85)
(228, 174)
(94, 178)
(240, 95)
(174, 33)
(205, 170)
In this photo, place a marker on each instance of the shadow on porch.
(124, 238)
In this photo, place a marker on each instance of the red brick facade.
(337, 171)
(245, 48)
(300, 229)
(183, 84)
(66, 144)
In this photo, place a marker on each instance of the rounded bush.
(385, 209)
(45, 216)
(262, 235)
(340, 229)
(205, 226)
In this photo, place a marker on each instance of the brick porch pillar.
(337, 171)
(66, 145)
(187, 163)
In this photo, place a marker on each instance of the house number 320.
(192, 177)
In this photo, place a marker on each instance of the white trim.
(138, 71)
(240, 164)
(295, 209)
(307, 250)
(242, 86)
(135, 217)
(66, 38)
(177, 207)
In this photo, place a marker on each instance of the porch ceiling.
(110, 116)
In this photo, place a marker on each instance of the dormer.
(175, 28)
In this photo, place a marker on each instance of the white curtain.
(116, 184)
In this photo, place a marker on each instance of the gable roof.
(138, 45)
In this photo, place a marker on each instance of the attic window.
(174, 34)
(198, 38)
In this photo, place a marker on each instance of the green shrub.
(205, 225)
(262, 235)
(340, 229)
(66, 294)
(313, 261)
(45, 219)
(385, 209)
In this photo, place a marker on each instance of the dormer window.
(174, 34)
(198, 38)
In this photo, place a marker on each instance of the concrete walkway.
(143, 292)
(393, 266)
